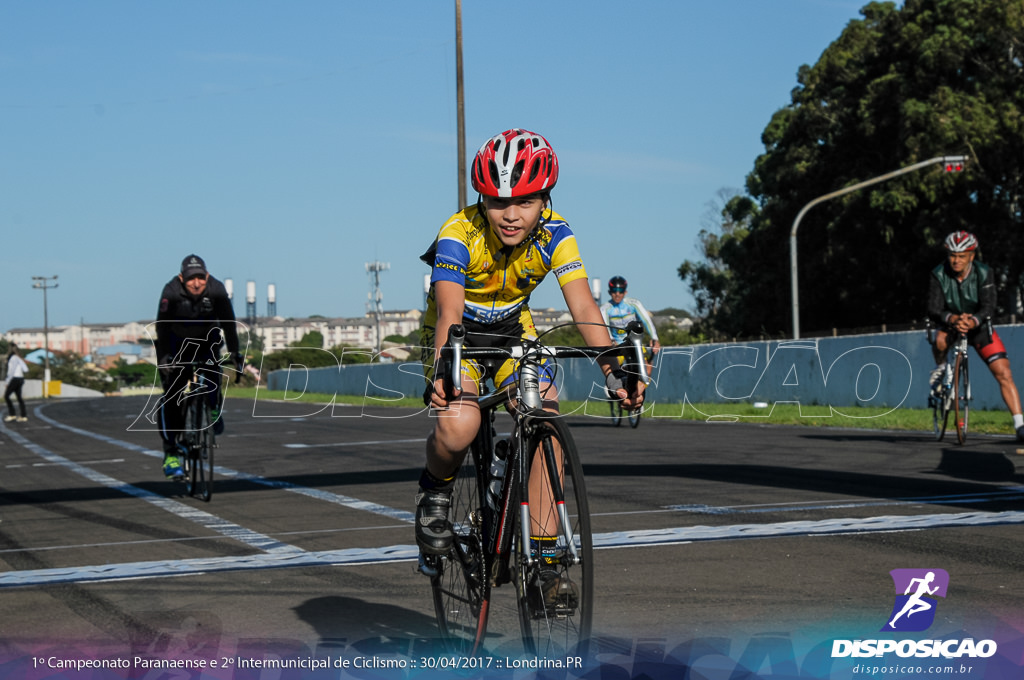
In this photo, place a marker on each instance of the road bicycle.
(633, 415)
(540, 491)
(198, 438)
(953, 393)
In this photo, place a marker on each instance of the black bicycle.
(198, 437)
(540, 492)
(953, 393)
(633, 415)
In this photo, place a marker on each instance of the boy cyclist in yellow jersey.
(486, 261)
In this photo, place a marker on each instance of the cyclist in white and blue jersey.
(622, 310)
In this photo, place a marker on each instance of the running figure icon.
(917, 591)
(916, 604)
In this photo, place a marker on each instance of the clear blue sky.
(291, 143)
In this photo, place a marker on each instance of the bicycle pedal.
(427, 565)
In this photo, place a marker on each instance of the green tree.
(310, 339)
(711, 281)
(70, 368)
(140, 373)
(901, 85)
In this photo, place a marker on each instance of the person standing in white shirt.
(16, 370)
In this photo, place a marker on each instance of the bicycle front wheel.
(961, 397)
(940, 414)
(556, 592)
(200, 454)
(634, 417)
(616, 413)
(461, 585)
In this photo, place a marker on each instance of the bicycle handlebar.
(205, 364)
(530, 352)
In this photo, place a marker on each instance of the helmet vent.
(535, 170)
(517, 172)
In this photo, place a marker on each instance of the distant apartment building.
(278, 333)
(82, 339)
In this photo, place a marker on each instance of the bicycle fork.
(552, 468)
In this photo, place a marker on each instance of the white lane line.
(377, 442)
(989, 497)
(395, 553)
(318, 494)
(631, 539)
(84, 462)
(212, 522)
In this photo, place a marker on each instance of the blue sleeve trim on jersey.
(450, 262)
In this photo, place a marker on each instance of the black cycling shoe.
(433, 530)
(1020, 433)
(553, 594)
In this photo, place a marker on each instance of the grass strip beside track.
(982, 422)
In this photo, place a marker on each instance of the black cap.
(191, 266)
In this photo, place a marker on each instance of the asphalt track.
(735, 530)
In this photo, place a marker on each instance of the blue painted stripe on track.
(396, 553)
(221, 526)
(318, 494)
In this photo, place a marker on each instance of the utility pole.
(45, 283)
(461, 104)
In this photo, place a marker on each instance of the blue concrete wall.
(884, 370)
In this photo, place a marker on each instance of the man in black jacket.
(961, 299)
(194, 322)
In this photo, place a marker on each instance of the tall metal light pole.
(45, 283)
(461, 101)
(950, 163)
(375, 304)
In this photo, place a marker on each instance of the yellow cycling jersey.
(498, 279)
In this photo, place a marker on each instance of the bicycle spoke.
(556, 592)
(961, 396)
(461, 588)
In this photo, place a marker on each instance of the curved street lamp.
(950, 163)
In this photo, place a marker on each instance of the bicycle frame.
(954, 393)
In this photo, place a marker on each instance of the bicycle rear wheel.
(461, 586)
(200, 454)
(561, 624)
(961, 397)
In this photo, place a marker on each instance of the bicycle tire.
(940, 415)
(461, 584)
(961, 398)
(616, 413)
(634, 417)
(552, 631)
(200, 453)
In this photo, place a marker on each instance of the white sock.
(1018, 420)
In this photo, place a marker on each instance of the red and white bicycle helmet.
(960, 242)
(515, 163)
